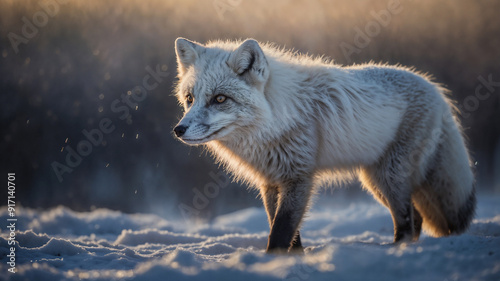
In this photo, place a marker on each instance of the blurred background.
(65, 65)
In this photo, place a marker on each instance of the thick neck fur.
(280, 145)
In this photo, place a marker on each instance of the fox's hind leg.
(417, 224)
(396, 196)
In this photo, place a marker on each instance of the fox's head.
(221, 87)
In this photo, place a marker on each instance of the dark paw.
(296, 250)
(401, 238)
(277, 251)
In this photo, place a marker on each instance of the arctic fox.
(286, 123)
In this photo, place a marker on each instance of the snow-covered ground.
(345, 241)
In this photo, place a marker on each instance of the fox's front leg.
(270, 195)
(292, 202)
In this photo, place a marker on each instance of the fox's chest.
(270, 162)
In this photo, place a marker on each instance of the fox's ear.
(187, 53)
(249, 62)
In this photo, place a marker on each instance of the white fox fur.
(286, 123)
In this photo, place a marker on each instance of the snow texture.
(345, 240)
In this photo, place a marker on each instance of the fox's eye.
(220, 98)
(189, 98)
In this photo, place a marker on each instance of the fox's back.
(368, 106)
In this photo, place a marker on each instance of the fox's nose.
(180, 130)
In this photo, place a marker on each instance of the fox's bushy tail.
(447, 200)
